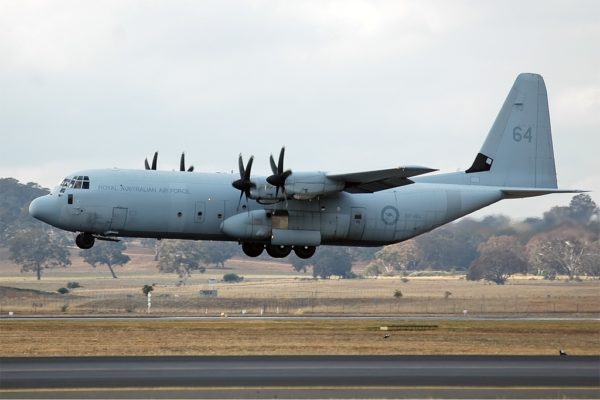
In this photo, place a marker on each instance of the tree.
(563, 251)
(499, 258)
(14, 205)
(107, 253)
(181, 257)
(35, 250)
(146, 289)
(300, 264)
(218, 252)
(330, 261)
(374, 268)
(591, 260)
(453, 246)
(581, 212)
(400, 257)
(583, 209)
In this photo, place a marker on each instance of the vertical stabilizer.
(518, 149)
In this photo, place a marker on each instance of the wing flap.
(375, 181)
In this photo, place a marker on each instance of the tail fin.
(518, 149)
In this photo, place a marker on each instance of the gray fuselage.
(172, 204)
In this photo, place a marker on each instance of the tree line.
(565, 241)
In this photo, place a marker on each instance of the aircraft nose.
(41, 208)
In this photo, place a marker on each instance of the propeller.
(279, 175)
(154, 159)
(182, 164)
(244, 184)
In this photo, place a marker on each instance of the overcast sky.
(344, 85)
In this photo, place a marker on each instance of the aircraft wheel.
(305, 251)
(279, 251)
(252, 249)
(84, 241)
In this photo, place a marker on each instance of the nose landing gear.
(85, 241)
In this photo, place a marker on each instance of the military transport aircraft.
(298, 211)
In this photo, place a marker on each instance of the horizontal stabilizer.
(518, 193)
(374, 181)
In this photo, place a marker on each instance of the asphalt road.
(299, 376)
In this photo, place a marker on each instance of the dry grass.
(273, 287)
(227, 337)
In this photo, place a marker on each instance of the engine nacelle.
(300, 186)
(253, 225)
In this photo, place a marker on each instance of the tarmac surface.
(302, 377)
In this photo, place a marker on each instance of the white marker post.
(149, 301)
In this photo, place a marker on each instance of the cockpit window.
(77, 182)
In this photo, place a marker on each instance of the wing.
(374, 181)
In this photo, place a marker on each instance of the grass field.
(273, 288)
(228, 337)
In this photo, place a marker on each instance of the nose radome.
(40, 208)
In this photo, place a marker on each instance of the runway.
(299, 376)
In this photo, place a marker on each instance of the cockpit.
(76, 182)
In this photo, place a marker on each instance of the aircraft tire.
(279, 251)
(305, 252)
(85, 241)
(252, 249)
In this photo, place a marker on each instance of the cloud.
(345, 85)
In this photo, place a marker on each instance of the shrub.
(63, 290)
(232, 278)
(73, 285)
(397, 293)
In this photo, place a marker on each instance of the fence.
(120, 304)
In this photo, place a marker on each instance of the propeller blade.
(280, 165)
(240, 199)
(154, 160)
(244, 184)
(273, 165)
(279, 175)
(246, 176)
(146, 165)
(182, 162)
(241, 165)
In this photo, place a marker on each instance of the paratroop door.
(119, 218)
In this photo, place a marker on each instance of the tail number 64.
(518, 134)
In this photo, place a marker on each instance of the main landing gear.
(305, 251)
(85, 241)
(256, 249)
